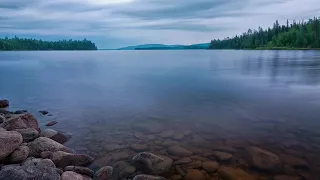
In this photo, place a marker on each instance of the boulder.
(9, 141)
(122, 170)
(31, 161)
(42, 144)
(51, 123)
(152, 164)
(184, 160)
(4, 103)
(194, 174)
(210, 166)
(62, 159)
(177, 150)
(19, 155)
(28, 134)
(46, 154)
(16, 172)
(21, 122)
(222, 156)
(59, 137)
(2, 118)
(70, 175)
(80, 170)
(229, 173)
(105, 173)
(148, 177)
(263, 159)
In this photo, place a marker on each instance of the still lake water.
(110, 100)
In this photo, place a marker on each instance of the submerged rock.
(179, 151)
(194, 174)
(44, 112)
(184, 160)
(148, 177)
(222, 156)
(59, 137)
(105, 173)
(263, 159)
(42, 144)
(230, 173)
(51, 123)
(9, 141)
(4, 103)
(152, 164)
(62, 159)
(210, 166)
(80, 170)
(139, 147)
(123, 170)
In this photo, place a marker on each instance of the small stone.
(139, 147)
(70, 175)
(184, 160)
(222, 156)
(20, 112)
(148, 177)
(44, 112)
(4, 103)
(104, 173)
(179, 151)
(19, 155)
(9, 141)
(166, 134)
(62, 159)
(51, 123)
(193, 174)
(80, 170)
(210, 166)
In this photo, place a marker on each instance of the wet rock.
(150, 128)
(294, 162)
(70, 175)
(31, 161)
(20, 112)
(179, 170)
(28, 134)
(21, 122)
(123, 170)
(46, 154)
(166, 134)
(263, 159)
(199, 158)
(148, 177)
(13, 172)
(105, 173)
(184, 160)
(62, 137)
(42, 144)
(139, 147)
(178, 136)
(4, 103)
(168, 143)
(285, 177)
(80, 170)
(222, 156)
(51, 123)
(194, 165)
(229, 173)
(179, 151)
(210, 166)
(62, 159)
(176, 177)
(48, 133)
(152, 164)
(223, 148)
(9, 141)
(193, 174)
(44, 112)
(19, 155)
(2, 118)
(113, 147)
(112, 158)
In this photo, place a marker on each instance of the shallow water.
(202, 100)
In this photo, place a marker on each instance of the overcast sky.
(117, 23)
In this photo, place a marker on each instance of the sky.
(119, 23)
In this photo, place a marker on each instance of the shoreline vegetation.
(291, 36)
(23, 44)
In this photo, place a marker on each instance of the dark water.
(110, 100)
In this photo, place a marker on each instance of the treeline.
(291, 35)
(10, 44)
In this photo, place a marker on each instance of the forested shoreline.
(23, 44)
(295, 35)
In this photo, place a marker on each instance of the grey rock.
(59, 171)
(105, 173)
(152, 164)
(179, 151)
(62, 159)
(31, 161)
(9, 141)
(80, 170)
(13, 172)
(20, 112)
(70, 175)
(44, 112)
(59, 137)
(28, 134)
(46, 154)
(123, 170)
(42, 144)
(19, 155)
(148, 177)
(2, 118)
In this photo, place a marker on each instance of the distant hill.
(166, 47)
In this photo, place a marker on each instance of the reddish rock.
(52, 123)
(21, 122)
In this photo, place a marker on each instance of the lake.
(116, 103)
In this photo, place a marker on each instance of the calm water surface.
(202, 100)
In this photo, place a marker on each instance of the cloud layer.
(115, 23)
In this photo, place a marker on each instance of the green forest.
(20, 44)
(294, 35)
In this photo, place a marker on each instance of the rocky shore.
(154, 153)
